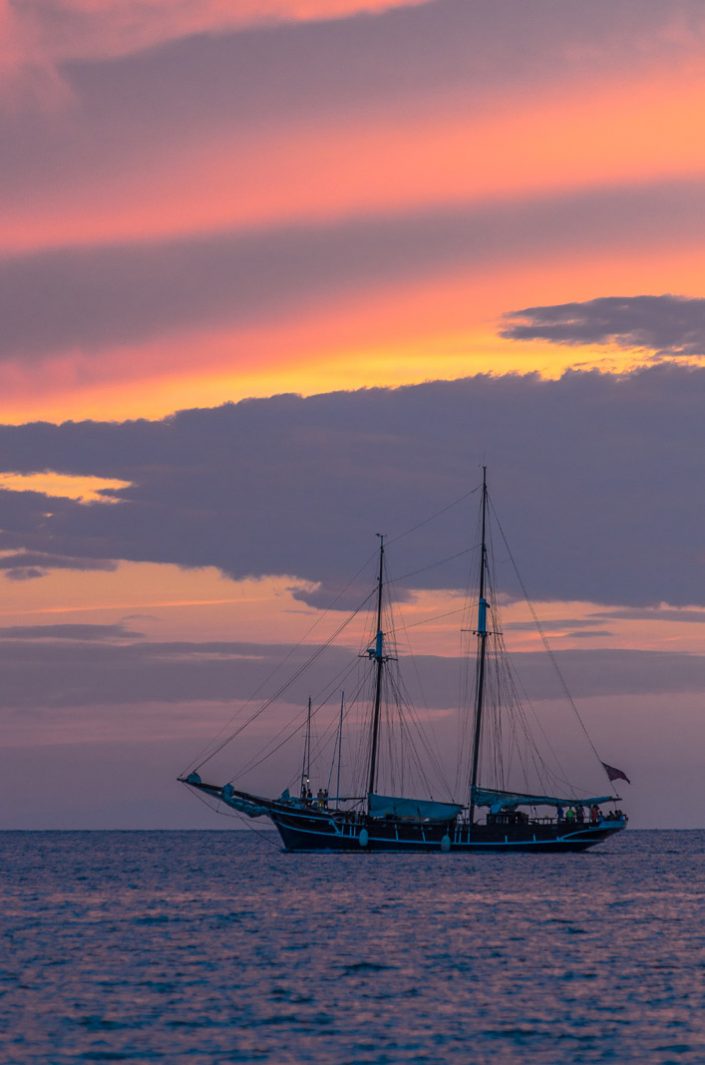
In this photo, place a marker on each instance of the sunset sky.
(277, 275)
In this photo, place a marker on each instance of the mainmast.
(482, 634)
(377, 653)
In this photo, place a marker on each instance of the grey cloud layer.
(650, 614)
(598, 482)
(81, 632)
(95, 298)
(70, 670)
(29, 564)
(667, 325)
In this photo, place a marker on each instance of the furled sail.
(421, 809)
(502, 800)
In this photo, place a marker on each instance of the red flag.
(615, 774)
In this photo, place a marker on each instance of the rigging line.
(513, 681)
(334, 724)
(434, 617)
(432, 565)
(438, 514)
(280, 691)
(428, 741)
(405, 730)
(337, 745)
(240, 817)
(541, 767)
(546, 644)
(196, 764)
(398, 680)
(322, 741)
(404, 733)
(363, 739)
(264, 753)
(324, 696)
(435, 763)
(419, 681)
(524, 701)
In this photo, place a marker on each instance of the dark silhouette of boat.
(493, 819)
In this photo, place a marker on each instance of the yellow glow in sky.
(63, 486)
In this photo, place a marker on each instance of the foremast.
(482, 634)
(377, 653)
(306, 765)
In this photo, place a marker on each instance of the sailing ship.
(491, 818)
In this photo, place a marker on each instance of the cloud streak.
(31, 565)
(104, 666)
(78, 632)
(669, 326)
(102, 297)
(48, 36)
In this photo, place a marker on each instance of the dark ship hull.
(301, 831)
(307, 827)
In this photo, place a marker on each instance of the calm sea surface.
(217, 947)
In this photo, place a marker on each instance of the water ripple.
(209, 948)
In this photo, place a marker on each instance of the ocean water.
(205, 947)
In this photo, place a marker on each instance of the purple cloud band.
(665, 325)
(598, 501)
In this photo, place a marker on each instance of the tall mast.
(482, 634)
(377, 652)
(340, 746)
(306, 767)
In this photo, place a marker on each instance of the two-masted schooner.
(489, 819)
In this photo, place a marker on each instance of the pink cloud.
(38, 37)
(210, 180)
